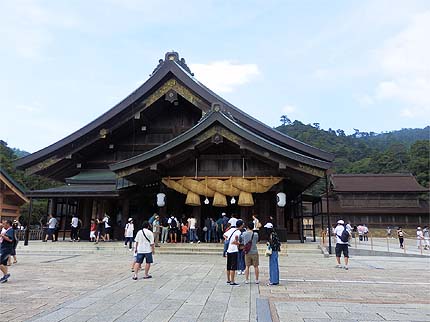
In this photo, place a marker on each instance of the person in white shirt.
(420, 237)
(341, 246)
(143, 248)
(108, 227)
(128, 233)
(233, 220)
(74, 231)
(52, 225)
(156, 230)
(232, 237)
(192, 222)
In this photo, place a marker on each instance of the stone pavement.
(84, 286)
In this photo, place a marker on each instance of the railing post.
(388, 244)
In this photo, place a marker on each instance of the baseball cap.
(340, 222)
(268, 225)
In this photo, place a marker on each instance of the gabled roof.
(403, 182)
(13, 185)
(77, 190)
(218, 117)
(172, 65)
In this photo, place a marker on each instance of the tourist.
(208, 229)
(6, 248)
(74, 228)
(156, 230)
(184, 232)
(151, 220)
(365, 232)
(232, 237)
(388, 232)
(144, 248)
(241, 254)
(173, 227)
(129, 233)
(192, 223)
(100, 226)
(275, 247)
(227, 228)
(232, 221)
(400, 235)
(164, 229)
(341, 245)
(250, 237)
(108, 227)
(52, 224)
(360, 229)
(93, 230)
(426, 236)
(14, 243)
(420, 237)
(213, 231)
(257, 224)
(270, 223)
(220, 229)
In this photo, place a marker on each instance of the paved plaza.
(79, 282)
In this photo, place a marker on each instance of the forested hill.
(406, 150)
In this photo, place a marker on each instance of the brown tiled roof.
(403, 182)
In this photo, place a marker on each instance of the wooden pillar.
(1, 200)
(125, 210)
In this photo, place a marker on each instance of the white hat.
(130, 219)
(268, 225)
(341, 222)
(223, 214)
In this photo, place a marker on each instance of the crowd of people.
(240, 243)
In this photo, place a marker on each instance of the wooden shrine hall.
(176, 140)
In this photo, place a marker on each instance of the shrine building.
(175, 147)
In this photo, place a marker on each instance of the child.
(184, 233)
(93, 229)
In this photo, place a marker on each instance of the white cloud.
(289, 109)
(224, 76)
(405, 63)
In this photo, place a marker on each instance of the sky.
(343, 64)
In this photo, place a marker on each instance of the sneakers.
(134, 278)
(191, 242)
(346, 268)
(198, 242)
(228, 282)
(4, 278)
(246, 282)
(257, 282)
(338, 266)
(234, 284)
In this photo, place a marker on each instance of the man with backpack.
(342, 238)
(250, 238)
(173, 227)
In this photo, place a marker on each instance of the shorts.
(51, 231)
(173, 230)
(146, 256)
(341, 248)
(232, 261)
(108, 230)
(4, 258)
(92, 234)
(251, 260)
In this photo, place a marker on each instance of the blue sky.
(344, 64)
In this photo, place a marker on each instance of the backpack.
(173, 223)
(248, 245)
(344, 237)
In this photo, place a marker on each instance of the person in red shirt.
(184, 233)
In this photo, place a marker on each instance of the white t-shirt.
(75, 222)
(143, 245)
(106, 221)
(192, 223)
(53, 223)
(256, 221)
(232, 221)
(129, 229)
(234, 233)
(338, 232)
